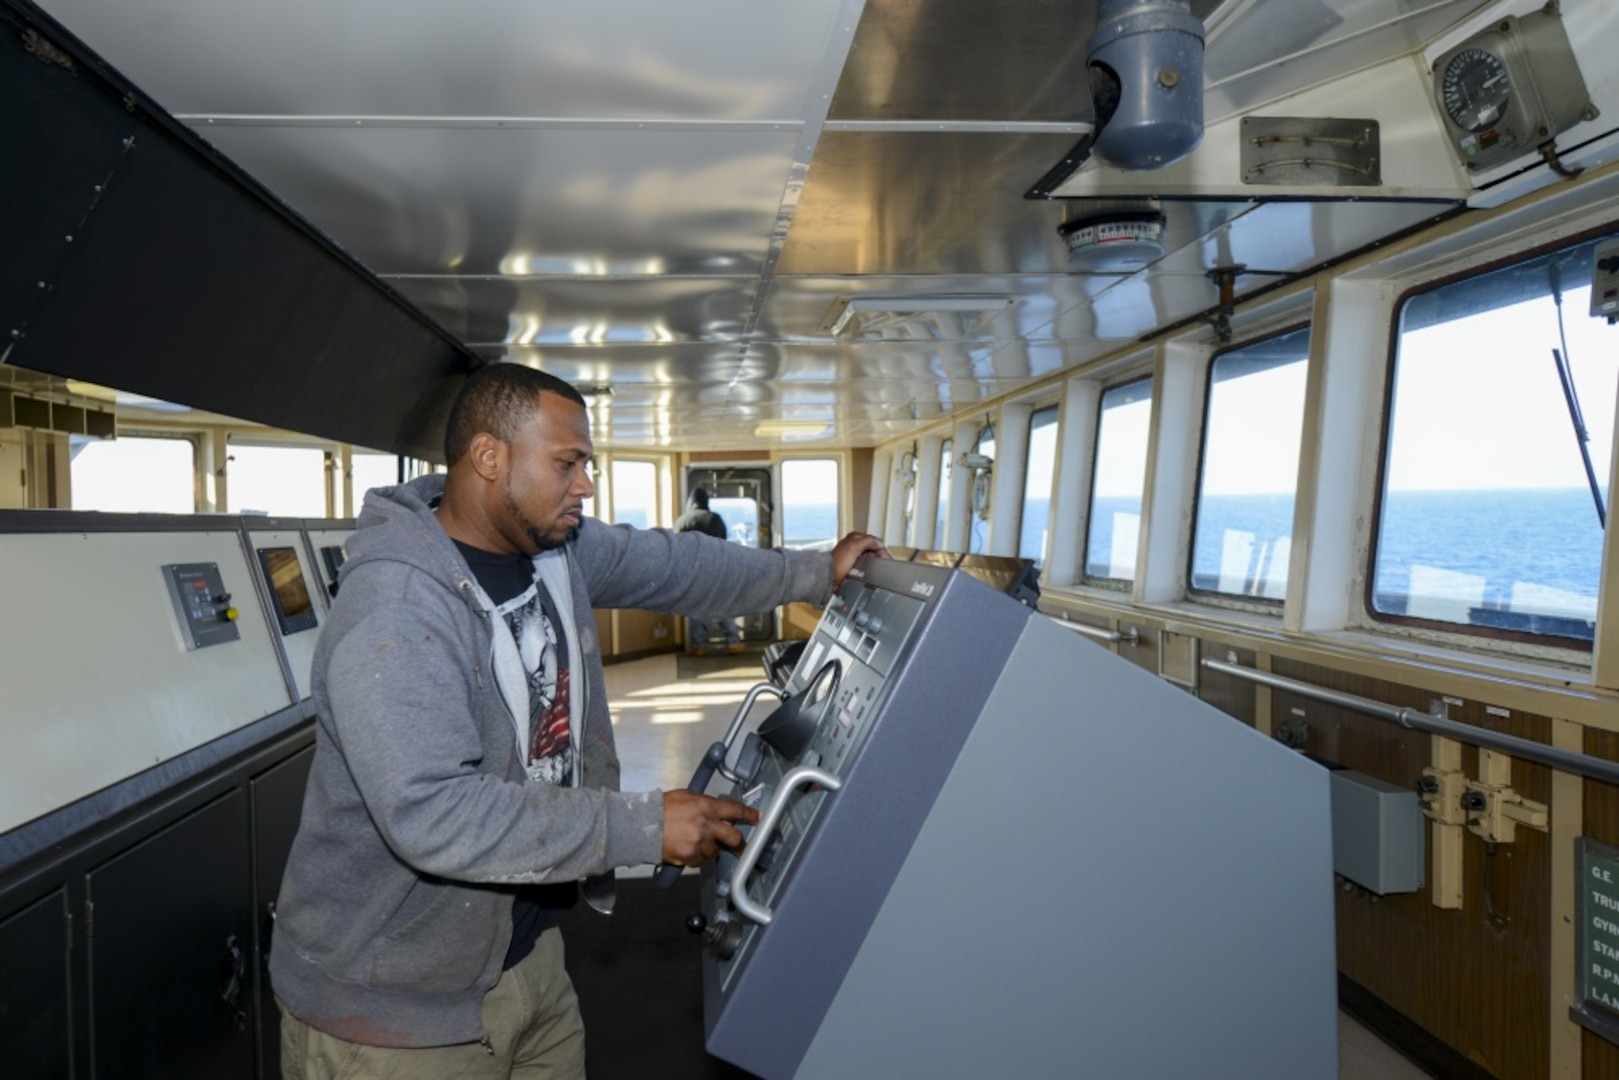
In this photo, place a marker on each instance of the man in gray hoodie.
(465, 780)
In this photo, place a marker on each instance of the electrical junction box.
(1377, 833)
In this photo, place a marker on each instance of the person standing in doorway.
(699, 518)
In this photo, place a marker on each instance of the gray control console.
(957, 871)
(817, 869)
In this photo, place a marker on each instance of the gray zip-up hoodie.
(419, 819)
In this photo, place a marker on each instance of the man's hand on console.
(696, 826)
(849, 550)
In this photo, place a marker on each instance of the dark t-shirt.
(536, 908)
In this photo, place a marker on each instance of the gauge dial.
(1475, 89)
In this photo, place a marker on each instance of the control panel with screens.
(289, 594)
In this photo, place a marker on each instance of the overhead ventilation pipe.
(1146, 73)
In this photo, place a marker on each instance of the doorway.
(743, 497)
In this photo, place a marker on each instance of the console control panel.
(207, 616)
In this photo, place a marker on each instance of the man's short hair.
(498, 399)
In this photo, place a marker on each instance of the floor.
(664, 723)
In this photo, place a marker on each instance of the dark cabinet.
(278, 800)
(140, 949)
(169, 946)
(36, 1005)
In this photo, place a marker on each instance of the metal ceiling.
(670, 199)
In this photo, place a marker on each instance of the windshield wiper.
(1572, 396)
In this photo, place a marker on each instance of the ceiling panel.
(485, 201)
(699, 364)
(720, 59)
(1293, 237)
(937, 203)
(1265, 51)
(582, 311)
(644, 194)
(907, 202)
(798, 308)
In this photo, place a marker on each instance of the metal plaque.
(1307, 150)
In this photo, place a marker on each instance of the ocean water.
(1511, 558)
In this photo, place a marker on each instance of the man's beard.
(541, 541)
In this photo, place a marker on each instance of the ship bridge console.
(989, 846)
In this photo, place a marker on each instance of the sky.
(1479, 406)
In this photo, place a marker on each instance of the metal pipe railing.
(1130, 636)
(1406, 717)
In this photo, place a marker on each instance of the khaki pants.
(532, 1017)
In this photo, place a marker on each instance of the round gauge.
(1475, 89)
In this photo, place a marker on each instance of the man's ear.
(487, 455)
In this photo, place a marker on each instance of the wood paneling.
(1478, 977)
(1231, 695)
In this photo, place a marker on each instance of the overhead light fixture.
(776, 429)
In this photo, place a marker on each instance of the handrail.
(1556, 757)
(1130, 636)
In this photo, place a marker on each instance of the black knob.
(1428, 785)
(1473, 800)
(696, 923)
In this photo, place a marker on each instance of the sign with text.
(1596, 909)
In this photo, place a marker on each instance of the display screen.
(286, 577)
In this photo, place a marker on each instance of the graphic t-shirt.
(542, 645)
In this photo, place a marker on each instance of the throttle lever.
(713, 761)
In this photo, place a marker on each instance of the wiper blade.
(1570, 395)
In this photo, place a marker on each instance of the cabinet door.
(278, 802)
(36, 1028)
(170, 950)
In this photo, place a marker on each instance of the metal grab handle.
(713, 761)
(795, 779)
(736, 727)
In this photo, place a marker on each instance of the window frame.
(1037, 408)
(658, 506)
(1085, 577)
(780, 481)
(189, 437)
(1258, 605)
(1465, 635)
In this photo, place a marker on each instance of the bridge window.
(635, 493)
(1119, 482)
(280, 480)
(1040, 464)
(1495, 473)
(1244, 532)
(941, 524)
(367, 471)
(136, 474)
(809, 503)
